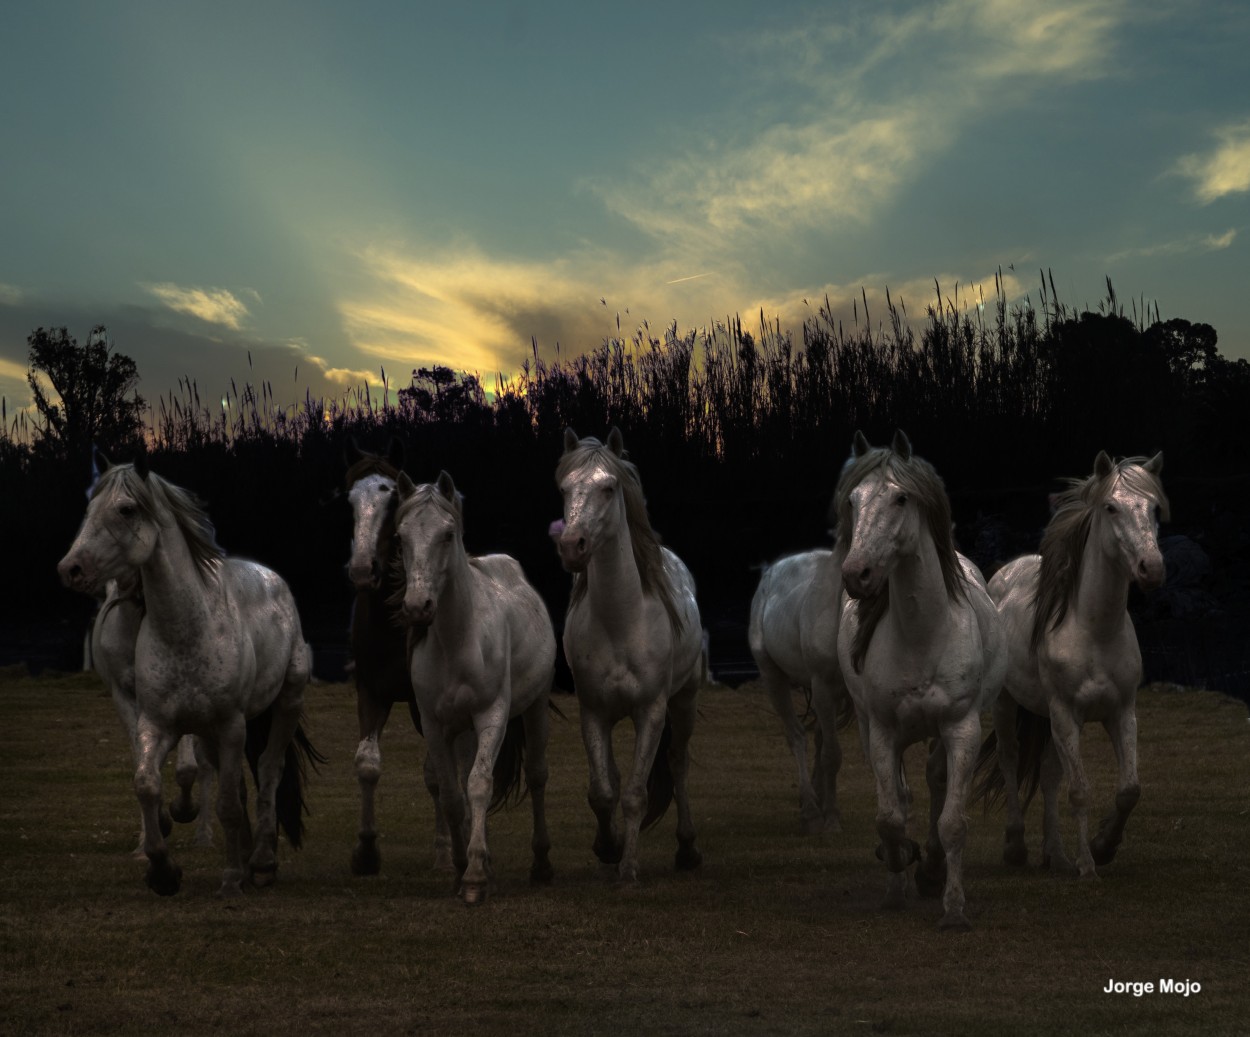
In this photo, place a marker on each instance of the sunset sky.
(343, 187)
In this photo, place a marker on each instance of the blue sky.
(340, 188)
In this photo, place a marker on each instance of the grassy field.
(779, 933)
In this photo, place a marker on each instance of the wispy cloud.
(1179, 246)
(214, 305)
(11, 294)
(1224, 170)
(878, 96)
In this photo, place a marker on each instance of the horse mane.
(1067, 532)
(643, 538)
(157, 497)
(369, 464)
(921, 482)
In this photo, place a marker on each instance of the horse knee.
(147, 784)
(369, 761)
(634, 802)
(953, 830)
(891, 827)
(1126, 799)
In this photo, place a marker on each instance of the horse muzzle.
(76, 576)
(574, 551)
(364, 576)
(861, 581)
(419, 612)
(1150, 573)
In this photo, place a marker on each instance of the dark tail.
(509, 768)
(846, 711)
(289, 800)
(660, 780)
(1033, 735)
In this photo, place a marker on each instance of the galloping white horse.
(1074, 654)
(113, 635)
(481, 653)
(633, 641)
(219, 654)
(794, 638)
(923, 652)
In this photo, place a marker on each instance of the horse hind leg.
(681, 715)
(1122, 730)
(537, 735)
(826, 699)
(931, 875)
(1006, 714)
(779, 692)
(1054, 857)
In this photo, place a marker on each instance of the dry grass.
(779, 933)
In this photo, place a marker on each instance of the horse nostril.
(75, 572)
(581, 543)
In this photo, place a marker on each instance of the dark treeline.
(739, 434)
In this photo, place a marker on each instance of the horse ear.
(141, 464)
(395, 452)
(860, 445)
(1103, 465)
(901, 445)
(102, 463)
(570, 440)
(446, 487)
(405, 486)
(1155, 465)
(352, 452)
(616, 442)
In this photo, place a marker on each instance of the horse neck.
(177, 604)
(918, 599)
(613, 582)
(1101, 590)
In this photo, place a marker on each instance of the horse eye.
(1110, 509)
(901, 499)
(448, 537)
(127, 510)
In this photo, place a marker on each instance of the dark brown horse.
(378, 643)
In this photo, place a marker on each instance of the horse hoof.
(1016, 854)
(607, 851)
(164, 878)
(688, 858)
(473, 893)
(366, 860)
(263, 876)
(954, 922)
(1103, 850)
(183, 811)
(166, 823)
(542, 873)
(930, 884)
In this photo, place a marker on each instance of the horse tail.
(846, 710)
(289, 804)
(509, 768)
(660, 780)
(1033, 734)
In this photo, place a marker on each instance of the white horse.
(1074, 654)
(219, 654)
(481, 654)
(634, 644)
(113, 636)
(793, 635)
(379, 643)
(923, 652)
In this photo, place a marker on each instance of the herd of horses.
(891, 629)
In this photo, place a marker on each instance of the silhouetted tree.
(97, 388)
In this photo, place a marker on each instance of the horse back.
(790, 616)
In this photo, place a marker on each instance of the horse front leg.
(605, 785)
(287, 709)
(1006, 711)
(491, 727)
(778, 686)
(962, 741)
(896, 848)
(227, 755)
(1054, 856)
(648, 729)
(372, 714)
(681, 715)
(537, 735)
(184, 809)
(1067, 740)
(152, 746)
(1122, 730)
(207, 776)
